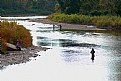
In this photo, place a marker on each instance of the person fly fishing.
(92, 54)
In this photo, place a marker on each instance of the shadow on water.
(45, 41)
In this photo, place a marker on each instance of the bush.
(10, 32)
(23, 35)
(3, 46)
(104, 21)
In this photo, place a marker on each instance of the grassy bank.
(107, 22)
(10, 32)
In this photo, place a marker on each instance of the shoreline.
(66, 26)
(18, 57)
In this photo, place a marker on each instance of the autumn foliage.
(10, 32)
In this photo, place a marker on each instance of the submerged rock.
(80, 45)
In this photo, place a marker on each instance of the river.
(69, 58)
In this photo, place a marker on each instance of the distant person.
(60, 27)
(53, 27)
(18, 46)
(93, 54)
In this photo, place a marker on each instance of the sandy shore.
(66, 26)
(17, 57)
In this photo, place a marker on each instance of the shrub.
(23, 35)
(104, 21)
(10, 32)
(3, 46)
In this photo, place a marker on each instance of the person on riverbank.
(60, 27)
(53, 27)
(18, 46)
(92, 54)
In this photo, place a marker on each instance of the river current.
(69, 58)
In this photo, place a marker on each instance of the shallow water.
(69, 58)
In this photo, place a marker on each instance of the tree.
(88, 5)
(26, 7)
(69, 6)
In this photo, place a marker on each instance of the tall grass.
(10, 32)
(100, 21)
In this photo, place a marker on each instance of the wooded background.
(45, 7)
(16, 7)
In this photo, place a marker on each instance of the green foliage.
(10, 32)
(57, 8)
(17, 7)
(90, 7)
(69, 6)
(103, 21)
(98, 13)
(44, 7)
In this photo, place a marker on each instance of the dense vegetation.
(10, 32)
(30, 7)
(44, 7)
(89, 7)
(101, 13)
(109, 22)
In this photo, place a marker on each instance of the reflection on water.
(70, 58)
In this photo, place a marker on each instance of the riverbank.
(17, 57)
(66, 26)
